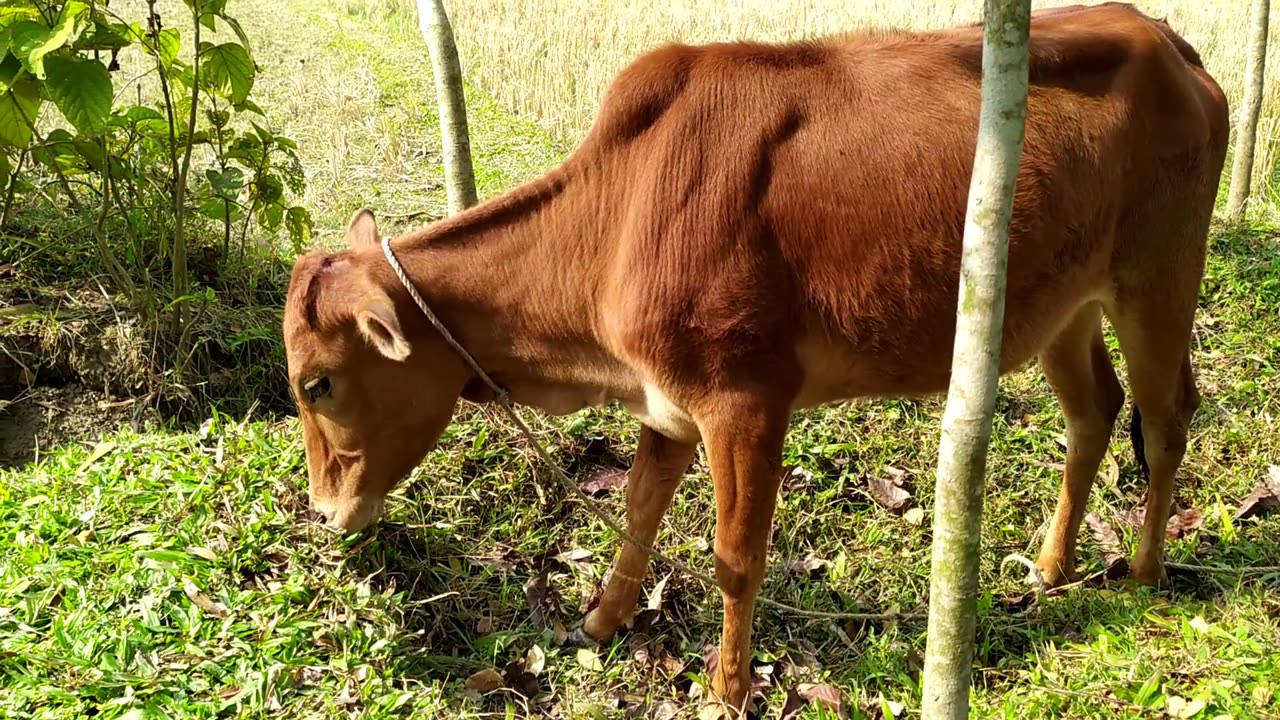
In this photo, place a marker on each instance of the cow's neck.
(515, 280)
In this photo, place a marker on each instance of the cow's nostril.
(317, 517)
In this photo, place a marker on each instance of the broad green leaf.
(9, 69)
(81, 88)
(206, 6)
(228, 69)
(239, 31)
(251, 106)
(226, 183)
(5, 168)
(298, 220)
(270, 217)
(11, 15)
(32, 40)
(105, 36)
(138, 113)
(166, 46)
(269, 189)
(216, 209)
(59, 153)
(19, 109)
(218, 118)
(91, 152)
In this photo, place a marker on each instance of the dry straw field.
(551, 59)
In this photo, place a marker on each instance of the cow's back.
(820, 189)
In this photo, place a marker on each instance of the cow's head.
(374, 384)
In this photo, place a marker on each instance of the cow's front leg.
(744, 445)
(659, 464)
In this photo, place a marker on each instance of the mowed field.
(167, 572)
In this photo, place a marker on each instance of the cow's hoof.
(580, 639)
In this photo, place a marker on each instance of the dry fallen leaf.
(516, 675)
(486, 680)
(670, 664)
(794, 476)
(666, 710)
(825, 695)
(588, 659)
(202, 601)
(203, 552)
(535, 660)
(1181, 520)
(600, 482)
(810, 565)
(1106, 538)
(915, 516)
(887, 494)
(543, 601)
(1264, 498)
(559, 634)
(792, 705)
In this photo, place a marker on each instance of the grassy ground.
(168, 574)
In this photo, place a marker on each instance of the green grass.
(101, 542)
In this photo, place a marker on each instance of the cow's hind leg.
(1080, 371)
(659, 464)
(1154, 329)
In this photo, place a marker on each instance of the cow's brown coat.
(751, 228)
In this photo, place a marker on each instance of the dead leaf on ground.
(202, 601)
(203, 552)
(1107, 539)
(710, 659)
(810, 565)
(517, 676)
(1181, 520)
(795, 476)
(915, 516)
(559, 634)
(542, 598)
(822, 694)
(486, 680)
(578, 559)
(800, 660)
(642, 621)
(502, 562)
(588, 659)
(793, 705)
(1264, 499)
(600, 482)
(535, 660)
(666, 710)
(887, 494)
(1117, 569)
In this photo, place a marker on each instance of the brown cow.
(749, 229)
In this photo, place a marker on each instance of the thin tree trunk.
(966, 423)
(1247, 126)
(459, 178)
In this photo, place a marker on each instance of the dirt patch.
(45, 418)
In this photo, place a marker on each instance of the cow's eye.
(317, 388)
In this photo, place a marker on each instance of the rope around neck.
(503, 399)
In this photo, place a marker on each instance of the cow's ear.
(362, 230)
(377, 321)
